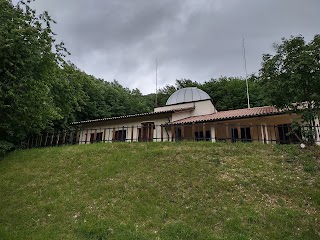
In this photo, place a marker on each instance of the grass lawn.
(181, 190)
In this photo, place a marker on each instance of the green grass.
(161, 191)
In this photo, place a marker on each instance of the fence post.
(172, 133)
(182, 131)
(113, 134)
(161, 132)
(95, 136)
(227, 132)
(142, 127)
(193, 131)
(64, 137)
(58, 138)
(104, 135)
(46, 140)
(41, 140)
(78, 136)
(132, 133)
(86, 136)
(204, 131)
(52, 136)
(70, 136)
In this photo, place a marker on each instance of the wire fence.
(148, 132)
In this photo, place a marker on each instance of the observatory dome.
(189, 94)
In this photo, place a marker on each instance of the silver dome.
(189, 94)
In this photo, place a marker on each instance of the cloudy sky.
(194, 39)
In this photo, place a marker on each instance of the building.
(189, 114)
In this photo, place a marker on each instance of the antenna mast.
(245, 68)
(156, 82)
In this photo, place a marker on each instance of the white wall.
(185, 110)
(128, 126)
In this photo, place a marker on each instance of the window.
(146, 132)
(199, 136)
(234, 134)
(98, 137)
(285, 136)
(245, 134)
(119, 135)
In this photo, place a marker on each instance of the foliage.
(5, 147)
(230, 93)
(27, 71)
(38, 89)
(292, 77)
(161, 190)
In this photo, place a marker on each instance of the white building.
(189, 114)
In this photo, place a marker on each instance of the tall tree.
(230, 92)
(292, 76)
(27, 67)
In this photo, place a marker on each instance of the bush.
(5, 147)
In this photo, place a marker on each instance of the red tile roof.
(231, 114)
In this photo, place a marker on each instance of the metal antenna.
(245, 68)
(156, 82)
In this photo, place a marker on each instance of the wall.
(185, 110)
(130, 125)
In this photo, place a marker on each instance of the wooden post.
(204, 131)
(46, 140)
(142, 127)
(276, 134)
(70, 137)
(113, 134)
(86, 139)
(132, 133)
(193, 131)
(40, 140)
(182, 132)
(58, 138)
(227, 132)
(32, 142)
(64, 137)
(104, 135)
(148, 132)
(95, 136)
(36, 141)
(78, 136)
(172, 133)
(109, 130)
(52, 137)
(161, 133)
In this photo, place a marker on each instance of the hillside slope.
(161, 191)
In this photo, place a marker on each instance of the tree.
(230, 92)
(292, 77)
(27, 71)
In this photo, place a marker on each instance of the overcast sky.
(193, 39)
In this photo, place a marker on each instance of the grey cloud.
(196, 39)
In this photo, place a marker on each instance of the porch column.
(213, 133)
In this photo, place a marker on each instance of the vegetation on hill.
(161, 191)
